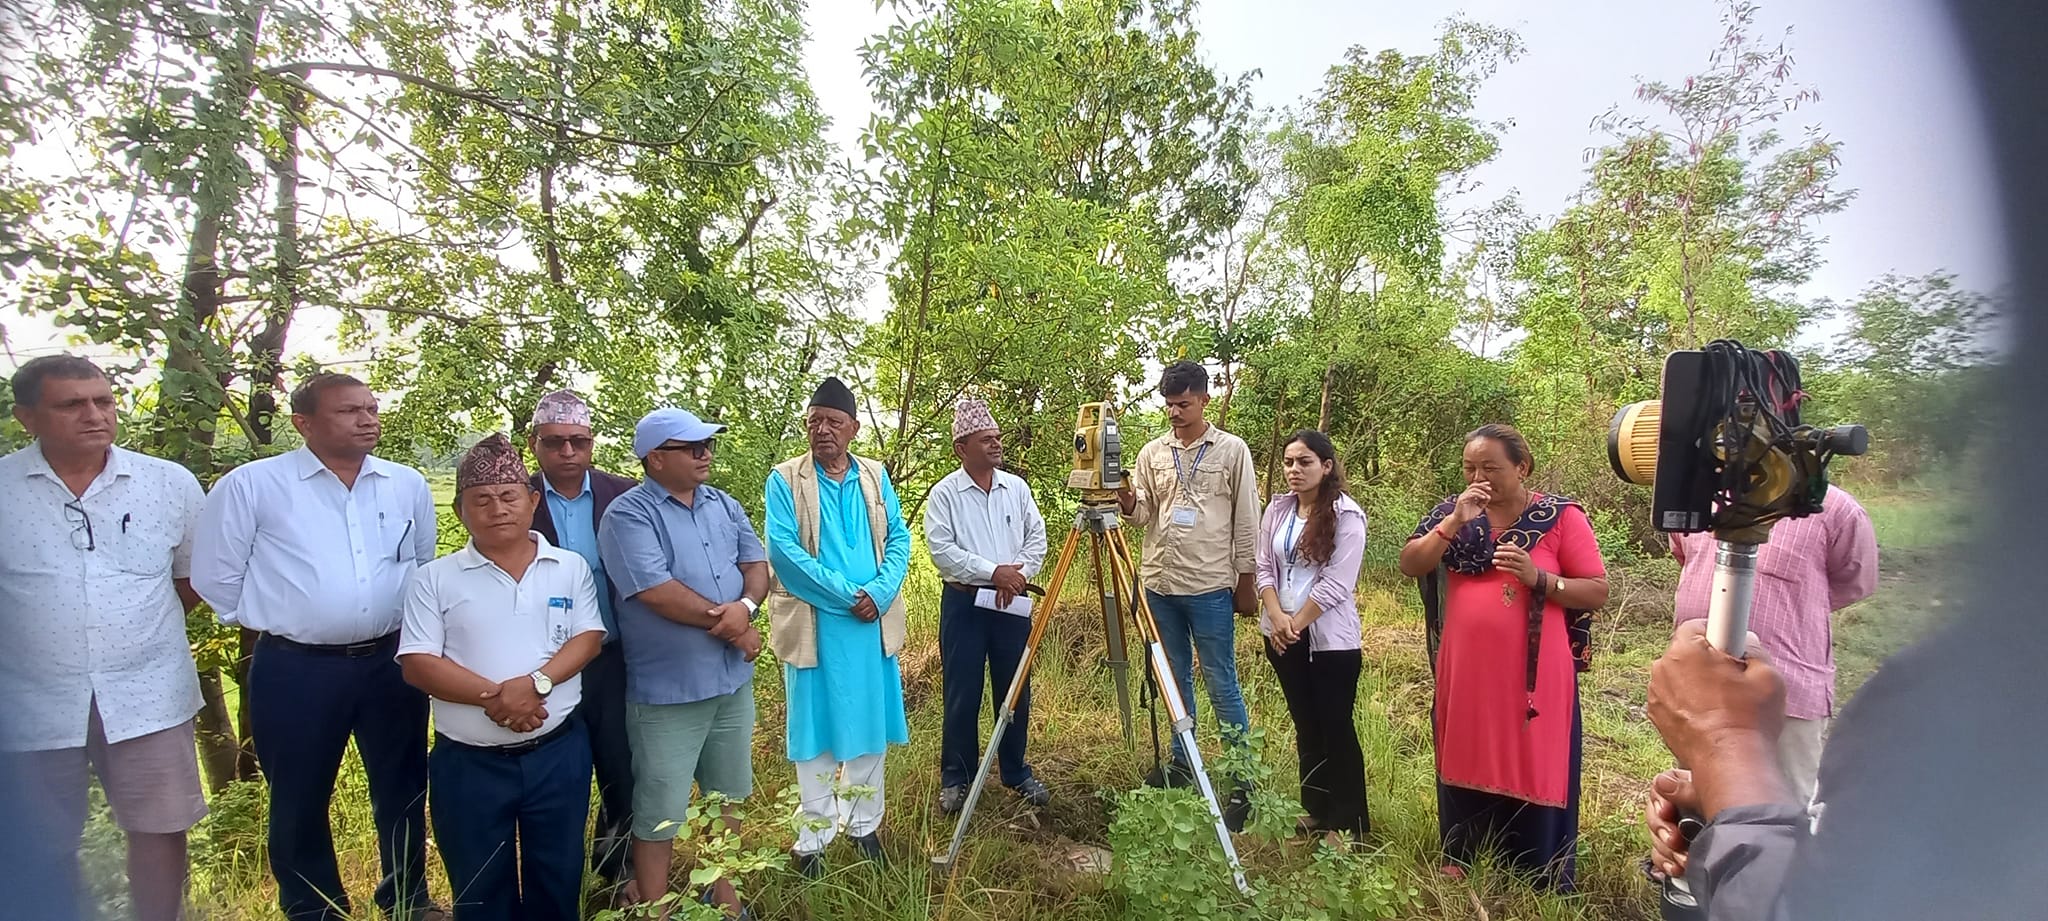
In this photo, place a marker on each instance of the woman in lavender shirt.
(1310, 543)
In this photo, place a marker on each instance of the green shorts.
(706, 742)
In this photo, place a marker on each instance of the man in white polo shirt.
(496, 633)
(97, 678)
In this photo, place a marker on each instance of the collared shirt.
(576, 524)
(467, 609)
(285, 548)
(1809, 568)
(970, 532)
(1214, 481)
(648, 538)
(106, 623)
(1333, 585)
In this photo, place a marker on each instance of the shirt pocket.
(558, 614)
(141, 550)
(398, 531)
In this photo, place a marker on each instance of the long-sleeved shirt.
(88, 609)
(284, 548)
(1199, 505)
(1809, 568)
(970, 532)
(1333, 585)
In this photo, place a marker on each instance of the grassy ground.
(1017, 863)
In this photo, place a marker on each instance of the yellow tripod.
(1098, 522)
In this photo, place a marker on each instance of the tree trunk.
(193, 388)
(1323, 416)
(218, 753)
(1273, 443)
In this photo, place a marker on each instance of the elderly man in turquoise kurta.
(839, 551)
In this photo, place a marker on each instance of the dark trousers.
(1321, 688)
(1542, 841)
(303, 707)
(510, 826)
(972, 639)
(603, 713)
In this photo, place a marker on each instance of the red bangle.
(1439, 531)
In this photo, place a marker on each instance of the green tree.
(1036, 168)
(1915, 366)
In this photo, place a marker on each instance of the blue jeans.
(1203, 623)
(510, 826)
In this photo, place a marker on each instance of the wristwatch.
(541, 682)
(753, 607)
(1556, 584)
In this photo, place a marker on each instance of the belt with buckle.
(352, 650)
(516, 748)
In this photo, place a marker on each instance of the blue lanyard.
(1180, 476)
(1291, 519)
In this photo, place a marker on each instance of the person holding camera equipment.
(1195, 492)
(1509, 579)
(1811, 567)
(1310, 545)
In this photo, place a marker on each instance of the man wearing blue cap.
(690, 573)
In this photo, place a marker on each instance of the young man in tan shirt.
(1193, 490)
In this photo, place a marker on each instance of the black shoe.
(1170, 776)
(809, 866)
(1034, 793)
(1238, 809)
(870, 847)
(952, 799)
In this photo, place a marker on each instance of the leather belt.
(352, 650)
(516, 748)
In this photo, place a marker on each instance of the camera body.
(1098, 451)
(1723, 449)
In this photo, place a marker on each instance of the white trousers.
(828, 799)
(1799, 748)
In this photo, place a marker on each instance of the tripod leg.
(1118, 657)
(1041, 616)
(1177, 711)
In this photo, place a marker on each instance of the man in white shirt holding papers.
(987, 539)
(498, 633)
(312, 549)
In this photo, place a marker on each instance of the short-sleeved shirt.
(466, 609)
(94, 615)
(650, 537)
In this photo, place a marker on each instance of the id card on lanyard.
(1183, 502)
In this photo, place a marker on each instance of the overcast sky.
(1892, 87)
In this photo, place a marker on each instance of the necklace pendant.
(1507, 595)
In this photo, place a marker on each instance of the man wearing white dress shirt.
(987, 539)
(97, 678)
(312, 549)
(498, 634)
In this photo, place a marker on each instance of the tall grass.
(1016, 863)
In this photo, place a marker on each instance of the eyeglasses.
(697, 449)
(556, 443)
(81, 526)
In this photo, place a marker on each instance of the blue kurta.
(851, 704)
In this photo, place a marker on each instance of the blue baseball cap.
(670, 424)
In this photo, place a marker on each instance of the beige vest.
(793, 624)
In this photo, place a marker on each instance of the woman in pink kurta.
(1516, 571)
